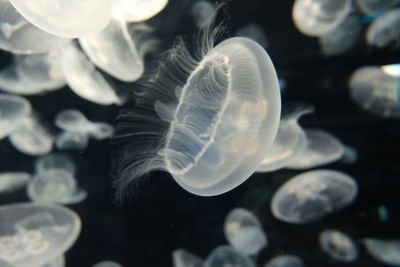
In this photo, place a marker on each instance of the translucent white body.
(385, 30)
(55, 161)
(376, 91)
(182, 258)
(350, 155)
(375, 6)
(285, 261)
(19, 36)
(107, 264)
(33, 234)
(254, 32)
(83, 78)
(392, 69)
(202, 11)
(227, 256)
(244, 232)
(384, 251)
(318, 17)
(338, 245)
(11, 181)
(311, 195)
(72, 140)
(13, 112)
(321, 148)
(137, 10)
(72, 18)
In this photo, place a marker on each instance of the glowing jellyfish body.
(107, 264)
(254, 32)
(244, 232)
(55, 161)
(375, 6)
(182, 258)
(376, 91)
(137, 10)
(72, 140)
(285, 261)
(311, 195)
(202, 11)
(227, 256)
(385, 30)
(387, 252)
(13, 112)
(11, 181)
(72, 18)
(318, 17)
(338, 245)
(321, 148)
(33, 234)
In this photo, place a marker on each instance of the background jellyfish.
(107, 264)
(385, 30)
(55, 161)
(11, 181)
(202, 12)
(285, 260)
(255, 32)
(375, 6)
(338, 245)
(227, 256)
(14, 110)
(385, 251)
(137, 10)
(183, 258)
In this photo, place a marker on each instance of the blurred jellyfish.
(72, 140)
(218, 113)
(289, 143)
(311, 195)
(67, 18)
(387, 252)
(137, 10)
(338, 245)
(244, 232)
(107, 264)
(285, 260)
(350, 155)
(322, 148)
(83, 78)
(202, 12)
(392, 70)
(255, 32)
(227, 256)
(375, 6)
(33, 234)
(376, 91)
(55, 161)
(385, 30)
(14, 110)
(318, 17)
(11, 181)
(182, 258)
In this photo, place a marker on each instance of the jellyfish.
(255, 32)
(33, 234)
(318, 17)
(392, 70)
(72, 140)
(289, 143)
(72, 18)
(375, 6)
(55, 161)
(321, 148)
(338, 245)
(137, 10)
(208, 118)
(183, 258)
(13, 112)
(350, 155)
(376, 91)
(202, 12)
(384, 251)
(244, 232)
(311, 195)
(227, 256)
(107, 264)
(285, 260)
(385, 30)
(11, 181)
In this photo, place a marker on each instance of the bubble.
(311, 195)
(226, 256)
(107, 264)
(384, 251)
(385, 30)
(182, 258)
(255, 32)
(285, 261)
(338, 245)
(12, 181)
(375, 6)
(137, 10)
(13, 112)
(202, 12)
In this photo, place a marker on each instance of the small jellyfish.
(350, 155)
(385, 30)
(202, 12)
(14, 110)
(311, 195)
(33, 234)
(285, 260)
(182, 258)
(107, 264)
(338, 245)
(137, 10)
(254, 32)
(11, 181)
(318, 17)
(384, 251)
(322, 148)
(375, 6)
(72, 140)
(227, 256)
(244, 232)
(208, 118)
(66, 18)
(55, 161)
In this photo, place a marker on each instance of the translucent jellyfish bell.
(254, 32)
(285, 261)
(311, 195)
(227, 256)
(33, 234)
(11, 181)
(202, 12)
(385, 30)
(244, 232)
(182, 258)
(107, 264)
(55, 161)
(72, 140)
(318, 17)
(13, 112)
(384, 251)
(338, 245)
(72, 18)
(375, 6)
(137, 10)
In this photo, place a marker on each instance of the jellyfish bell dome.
(137, 10)
(385, 29)
(13, 112)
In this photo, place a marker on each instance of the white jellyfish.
(14, 110)
(202, 12)
(183, 258)
(55, 161)
(385, 251)
(385, 30)
(318, 17)
(107, 264)
(285, 260)
(338, 245)
(244, 232)
(33, 234)
(72, 18)
(311, 195)
(350, 155)
(137, 10)
(227, 256)
(11, 181)
(255, 32)
(375, 6)
(72, 140)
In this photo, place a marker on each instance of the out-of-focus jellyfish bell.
(338, 245)
(107, 264)
(55, 161)
(11, 181)
(375, 6)
(227, 256)
(202, 12)
(392, 70)
(137, 10)
(311, 195)
(385, 30)
(72, 140)
(318, 17)
(244, 232)
(182, 258)
(384, 251)
(14, 110)
(72, 18)
(254, 32)
(33, 234)
(285, 261)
